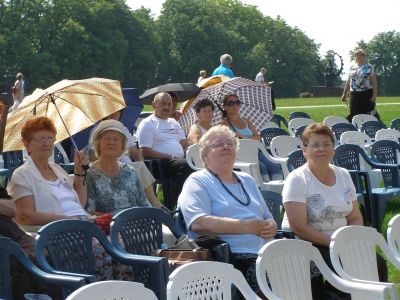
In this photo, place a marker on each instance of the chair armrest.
(88, 278)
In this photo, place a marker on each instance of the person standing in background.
(362, 85)
(260, 75)
(18, 91)
(225, 67)
(203, 75)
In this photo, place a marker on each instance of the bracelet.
(81, 175)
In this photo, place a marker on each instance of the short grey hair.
(160, 96)
(359, 51)
(226, 59)
(219, 130)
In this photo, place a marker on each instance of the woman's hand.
(269, 230)
(79, 161)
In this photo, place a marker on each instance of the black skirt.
(360, 104)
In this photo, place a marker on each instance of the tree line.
(50, 40)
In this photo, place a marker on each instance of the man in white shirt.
(161, 137)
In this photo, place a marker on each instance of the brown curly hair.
(35, 125)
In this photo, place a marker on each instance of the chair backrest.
(299, 131)
(193, 157)
(388, 134)
(141, 229)
(286, 262)
(274, 203)
(267, 134)
(248, 151)
(281, 146)
(386, 152)
(12, 160)
(62, 239)
(278, 119)
(298, 114)
(113, 289)
(371, 128)
(295, 159)
(339, 128)
(270, 124)
(330, 120)
(393, 235)
(353, 252)
(207, 280)
(356, 138)
(60, 156)
(297, 122)
(359, 119)
(395, 124)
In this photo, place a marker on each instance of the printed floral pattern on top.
(112, 194)
(360, 77)
(318, 212)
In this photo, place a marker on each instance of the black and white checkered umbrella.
(255, 98)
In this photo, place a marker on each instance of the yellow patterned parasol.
(72, 105)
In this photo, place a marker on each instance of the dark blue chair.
(371, 127)
(339, 128)
(69, 247)
(348, 156)
(395, 124)
(295, 159)
(267, 134)
(299, 131)
(279, 120)
(59, 160)
(9, 249)
(385, 152)
(12, 160)
(298, 114)
(274, 203)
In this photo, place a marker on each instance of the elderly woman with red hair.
(43, 192)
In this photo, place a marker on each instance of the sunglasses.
(233, 103)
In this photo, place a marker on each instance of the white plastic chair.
(113, 289)
(330, 120)
(248, 153)
(207, 280)
(388, 134)
(287, 264)
(282, 145)
(353, 255)
(361, 118)
(270, 125)
(393, 235)
(193, 157)
(297, 122)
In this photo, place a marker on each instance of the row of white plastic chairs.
(287, 265)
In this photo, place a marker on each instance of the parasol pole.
(223, 111)
(85, 167)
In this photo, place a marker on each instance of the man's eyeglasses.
(317, 146)
(233, 103)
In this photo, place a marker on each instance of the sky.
(335, 25)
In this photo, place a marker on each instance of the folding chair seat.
(287, 264)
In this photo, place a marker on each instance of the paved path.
(330, 105)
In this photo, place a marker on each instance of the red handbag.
(104, 222)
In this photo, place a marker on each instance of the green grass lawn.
(388, 109)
